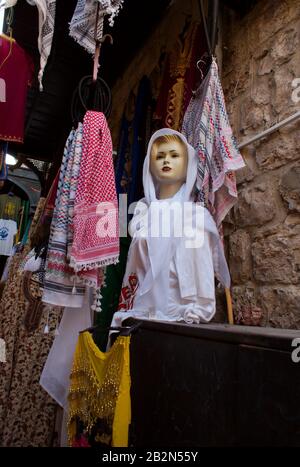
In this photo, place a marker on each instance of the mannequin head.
(168, 164)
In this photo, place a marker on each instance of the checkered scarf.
(207, 128)
(82, 25)
(96, 229)
(46, 9)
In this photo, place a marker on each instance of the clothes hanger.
(92, 93)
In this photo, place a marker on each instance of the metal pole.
(270, 130)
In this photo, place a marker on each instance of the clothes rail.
(270, 130)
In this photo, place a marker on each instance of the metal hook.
(109, 36)
(197, 65)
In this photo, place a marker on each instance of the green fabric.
(26, 207)
(111, 294)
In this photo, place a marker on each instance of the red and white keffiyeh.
(96, 228)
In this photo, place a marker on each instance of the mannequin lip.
(166, 169)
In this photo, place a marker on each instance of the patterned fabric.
(99, 394)
(96, 229)
(82, 26)
(59, 278)
(179, 77)
(207, 128)
(46, 10)
(27, 412)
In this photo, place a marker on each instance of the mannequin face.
(168, 164)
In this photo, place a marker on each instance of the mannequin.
(171, 277)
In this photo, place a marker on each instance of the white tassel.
(74, 287)
(33, 264)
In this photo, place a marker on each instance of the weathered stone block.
(281, 147)
(290, 188)
(285, 46)
(281, 306)
(275, 260)
(240, 257)
(255, 206)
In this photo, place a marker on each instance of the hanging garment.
(10, 205)
(59, 277)
(207, 128)
(16, 71)
(179, 79)
(27, 412)
(99, 396)
(166, 278)
(55, 378)
(82, 25)
(111, 294)
(96, 228)
(46, 9)
(8, 230)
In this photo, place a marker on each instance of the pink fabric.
(16, 70)
(96, 229)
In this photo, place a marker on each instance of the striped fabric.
(207, 128)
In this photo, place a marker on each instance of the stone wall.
(261, 58)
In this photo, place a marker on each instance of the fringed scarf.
(62, 286)
(82, 25)
(207, 128)
(96, 229)
(46, 9)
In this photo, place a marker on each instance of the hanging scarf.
(82, 25)
(164, 278)
(46, 10)
(96, 229)
(207, 128)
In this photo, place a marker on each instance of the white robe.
(165, 279)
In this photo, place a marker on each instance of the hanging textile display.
(134, 136)
(46, 9)
(207, 128)
(179, 78)
(16, 71)
(99, 395)
(82, 25)
(27, 412)
(59, 285)
(95, 225)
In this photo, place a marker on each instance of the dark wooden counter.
(214, 385)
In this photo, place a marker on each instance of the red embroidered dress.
(16, 69)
